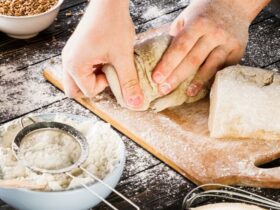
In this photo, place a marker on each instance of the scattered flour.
(104, 155)
(152, 12)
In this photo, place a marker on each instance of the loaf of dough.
(228, 206)
(245, 103)
(147, 54)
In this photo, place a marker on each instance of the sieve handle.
(109, 187)
(25, 184)
(91, 191)
(21, 120)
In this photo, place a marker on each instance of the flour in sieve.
(49, 149)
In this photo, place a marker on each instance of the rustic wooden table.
(146, 180)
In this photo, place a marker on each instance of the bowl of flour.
(106, 160)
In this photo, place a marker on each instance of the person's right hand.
(105, 34)
(207, 36)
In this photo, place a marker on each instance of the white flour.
(49, 149)
(104, 154)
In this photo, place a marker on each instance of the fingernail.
(165, 88)
(135, 101)
(192, 90)
(158, 77)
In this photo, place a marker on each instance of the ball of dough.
(147, 54)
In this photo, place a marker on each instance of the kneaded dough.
(244, 103)
(228, 206)
(146, 56)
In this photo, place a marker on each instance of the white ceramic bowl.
(76, 199)
(25, 27)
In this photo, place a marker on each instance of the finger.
(101, 84)
(127, 75)
(178, 49)
(86, 80)
(189, 66)
(70, 88)
(213, 63)
(234, 57)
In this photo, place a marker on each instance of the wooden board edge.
(85, 102)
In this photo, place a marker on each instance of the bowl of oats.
(24, 19)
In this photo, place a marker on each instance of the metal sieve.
(76, 136)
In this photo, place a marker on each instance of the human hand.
(105, 35)
(208, 35)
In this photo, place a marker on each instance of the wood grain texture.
(264, 43)
(146, 180)
(30, 85)
(180, 138)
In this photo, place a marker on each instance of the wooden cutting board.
(180, 138)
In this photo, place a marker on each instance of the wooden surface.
(146, 180)
(180, 138)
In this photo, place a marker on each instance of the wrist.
(250, 8)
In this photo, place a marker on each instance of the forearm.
(251, 8)
(109, 4)
(245, 10)
(103, 11)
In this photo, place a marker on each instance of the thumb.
(127, 75)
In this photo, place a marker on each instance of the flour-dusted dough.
(147, 55)
(244, 103)
(228, 206)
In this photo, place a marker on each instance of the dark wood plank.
(24, 90)
(275, 66)
(263, 15)
(155, 188)
(161, 188)
(158, 21)
(71, 3)
(264, 43)
(147, 10)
